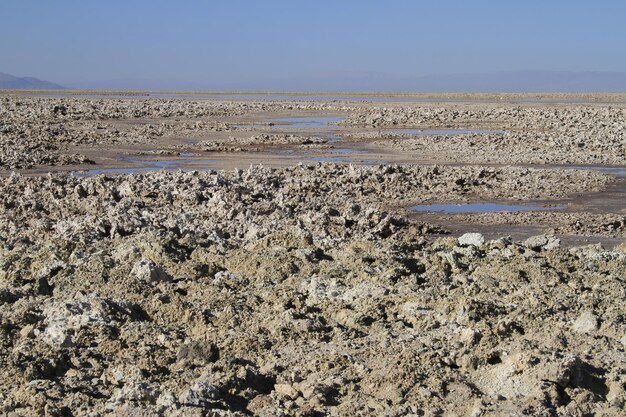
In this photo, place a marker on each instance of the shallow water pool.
(146, 165)
(449, 131)
(478, 208)
(309, 122)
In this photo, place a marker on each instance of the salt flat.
(191, 255)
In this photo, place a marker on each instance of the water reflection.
(478, 208)
(449, 131)
(147, 165)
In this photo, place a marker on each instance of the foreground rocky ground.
(304, 290)
(292, 292)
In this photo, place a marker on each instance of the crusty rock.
(587, 322)
(200, 394)
(147, 270)
(472, 239)
(286, 391)
(542, 242)
(197, 352)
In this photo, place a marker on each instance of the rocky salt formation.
(258, 143)
(329, 200)
(293, 292)
(513, 148)
(539, 135)
(45, 131)
(293, 325)
(566, 223)
(305, 290)
(276, 139)
(84, 109)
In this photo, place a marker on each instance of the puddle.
(374, 162)
(334, 159)
(332, 138)
(449, 131)
(617, 171)
(342, 160)
(90, 172)
(174, 164)
(321, 123)
(478, 208)
(146, 165)
(345, 151)
(340, 151)
(308, 122)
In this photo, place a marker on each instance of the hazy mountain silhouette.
(11, 81)
(503, 81)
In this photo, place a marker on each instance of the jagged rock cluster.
(538, 135)
(306, 290)
(292, 292)
(330, 200)
(65, 109)
(557, 222)
(163, 324)
(44, 131)
(257, 143)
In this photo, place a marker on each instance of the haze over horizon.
(318, 46)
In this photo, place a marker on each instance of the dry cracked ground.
(297, 288)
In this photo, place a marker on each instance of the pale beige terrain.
(215, 256)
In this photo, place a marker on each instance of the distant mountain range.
(503, 81)
(29, 83)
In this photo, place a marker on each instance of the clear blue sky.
(205, 42)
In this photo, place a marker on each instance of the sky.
(208, 44)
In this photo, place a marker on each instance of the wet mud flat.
(218, 268)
